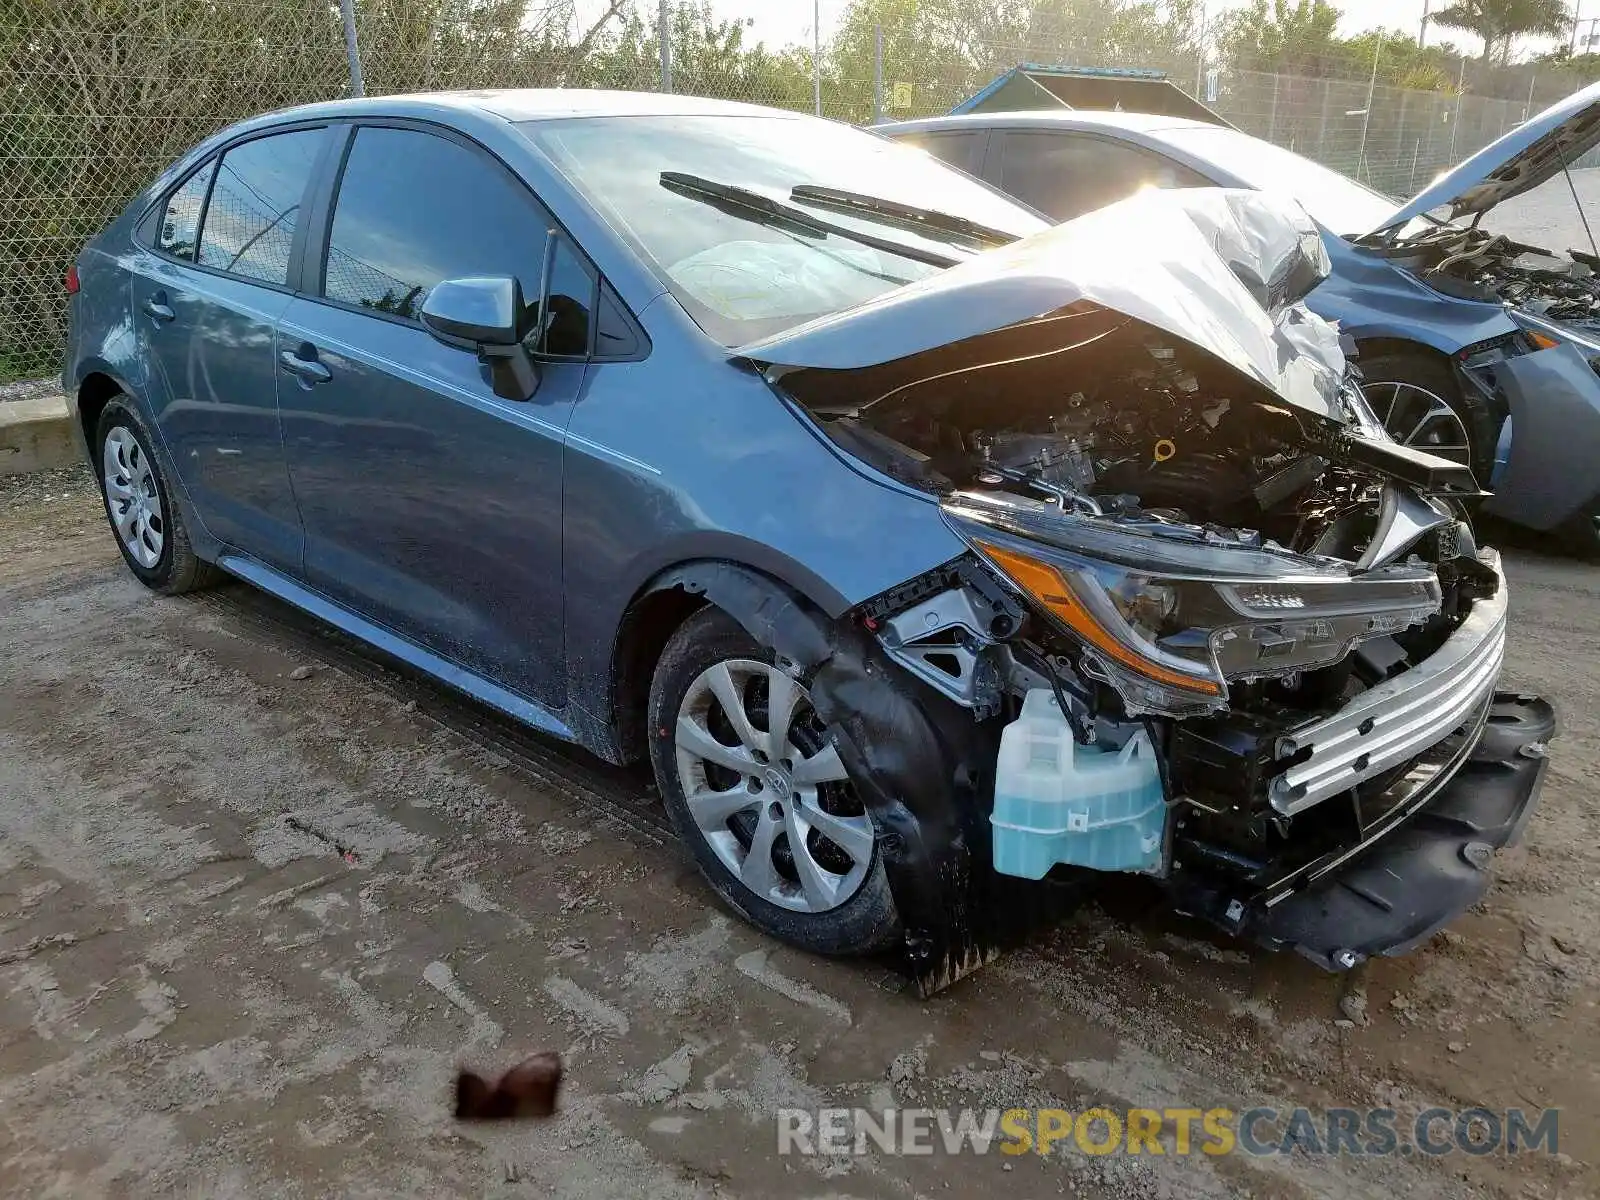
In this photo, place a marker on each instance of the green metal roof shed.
(1128, 89)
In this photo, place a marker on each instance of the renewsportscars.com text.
(1258, 1131)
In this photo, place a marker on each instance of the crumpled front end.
(1213, 626)
(1326, 776)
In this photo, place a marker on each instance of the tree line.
(99, 95)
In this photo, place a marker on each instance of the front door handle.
(308, 370)
(157, 308)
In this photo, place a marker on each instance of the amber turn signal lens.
(1542, 340)
(1051, 589)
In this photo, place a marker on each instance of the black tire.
(1580, 533)
(1433, 374)
(864, 923)
(178, 568)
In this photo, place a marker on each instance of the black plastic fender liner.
(924, 767)
(921, 765)
(769, 611)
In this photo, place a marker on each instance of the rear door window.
(415, 208)
(179, 229)
(255, 205)
(1066, 175)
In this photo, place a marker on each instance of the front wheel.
(757, 791)
(1419, 402)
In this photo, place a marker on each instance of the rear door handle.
(309, 370)
(157, 308)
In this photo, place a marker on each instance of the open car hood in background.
(1219, 268)
(1510, 165)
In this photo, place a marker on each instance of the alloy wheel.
(1414, 416)
(767, 790)
(133, 498)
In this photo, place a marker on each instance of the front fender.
(771, 613)
(1372, 298)
(1554, 396)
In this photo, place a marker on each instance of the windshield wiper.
(753, 206)
(892, 211)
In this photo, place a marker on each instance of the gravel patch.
(29, 389)
(46, 487)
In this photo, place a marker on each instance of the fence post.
(877, 74)
(816, 55)
(358, 86)
(1321, 154)
(1527, 106)
(1461, 92)
(1366, 113)
(1272, 117)
(1401, 132)
(664, 37)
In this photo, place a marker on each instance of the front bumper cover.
(1410, 881)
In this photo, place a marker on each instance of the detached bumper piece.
(1409, 882)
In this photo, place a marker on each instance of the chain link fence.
(97, 96)
(1394, 139)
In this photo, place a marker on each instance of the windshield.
(743, 275)
(1337, 202)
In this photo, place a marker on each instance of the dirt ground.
(200, 996)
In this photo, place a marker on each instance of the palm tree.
(1500, 22)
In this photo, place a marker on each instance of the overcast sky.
(779, 22)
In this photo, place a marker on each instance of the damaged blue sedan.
(936, 561)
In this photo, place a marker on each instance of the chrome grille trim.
(1400, 717)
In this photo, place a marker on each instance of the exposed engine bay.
(1477, 265)
(1150, 434)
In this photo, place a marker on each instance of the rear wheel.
(145, 521)
(757, 791)
(1418, 400)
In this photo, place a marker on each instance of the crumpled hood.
(1222, 269)
(1515, 163)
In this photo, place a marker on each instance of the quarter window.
(255, 205)
(957, 149)
(180, 222)
(414, 209)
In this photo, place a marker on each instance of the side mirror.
(485, 314)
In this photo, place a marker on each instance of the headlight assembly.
(1119, 650)
(1545, 334)
(1170, 624)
